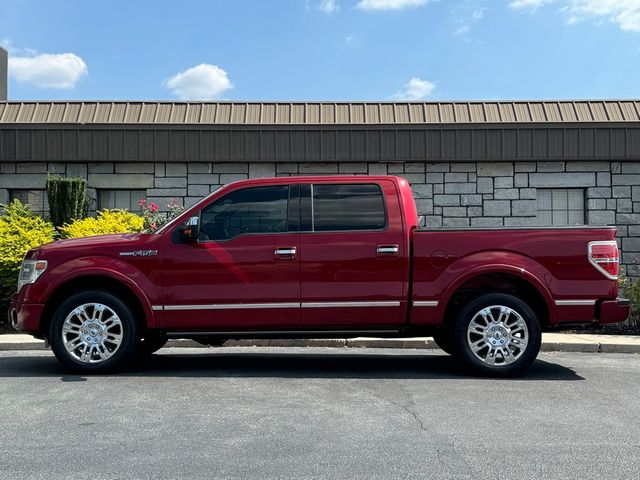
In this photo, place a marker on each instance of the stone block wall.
(447, 194)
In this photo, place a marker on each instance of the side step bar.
(283, 333)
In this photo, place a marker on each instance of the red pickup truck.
(332, 256)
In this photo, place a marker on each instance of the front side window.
(251, 210)
(347, 207)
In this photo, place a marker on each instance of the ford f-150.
(325, 256)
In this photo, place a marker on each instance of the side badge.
(139, 253)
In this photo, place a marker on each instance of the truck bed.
(553, 259)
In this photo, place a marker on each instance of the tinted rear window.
(348, 207)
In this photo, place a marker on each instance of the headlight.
(30, 271)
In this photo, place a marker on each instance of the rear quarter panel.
(552, 260)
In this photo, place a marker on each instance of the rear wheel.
(93, 332)
(497, 335)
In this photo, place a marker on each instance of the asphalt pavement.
(298, 413)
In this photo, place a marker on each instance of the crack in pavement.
(440, 452)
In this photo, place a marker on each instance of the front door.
(352, 254)
(243, 271)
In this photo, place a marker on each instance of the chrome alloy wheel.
(497, 335)
(92, 333)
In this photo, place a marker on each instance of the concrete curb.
(551, 342)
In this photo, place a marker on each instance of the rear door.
(351, 254)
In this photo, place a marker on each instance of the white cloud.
(415, 89)
(329, 6)
(202, 82)
(48, 70)
(528, 4)
(390, 4)
(466, 18)
(626, 13)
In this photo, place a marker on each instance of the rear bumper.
(25, 317)
(614, 311)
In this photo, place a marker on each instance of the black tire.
(151, 343)
(127, 328)
(444, 340)
(520, 358)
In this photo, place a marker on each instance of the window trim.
(288, 232)
(311, 203)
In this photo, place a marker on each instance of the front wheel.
(497, 335)
(93, 332)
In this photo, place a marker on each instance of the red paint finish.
(26, 316)
(346, 267)
(335, 279)
(554, 261)
(613, 311)
(243, 270)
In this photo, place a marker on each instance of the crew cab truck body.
(328, 256)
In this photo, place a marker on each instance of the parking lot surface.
(272, 413)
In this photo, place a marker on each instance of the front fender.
(144, 288)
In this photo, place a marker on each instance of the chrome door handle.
(387, 250)
(285, 252)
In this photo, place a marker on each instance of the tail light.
(605, 257)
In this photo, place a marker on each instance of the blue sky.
(322, 49)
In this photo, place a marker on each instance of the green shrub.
(630, 288)
(20, 231)
(68, 199)
(106, 222)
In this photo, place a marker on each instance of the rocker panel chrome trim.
(349, 304)
(425, 303)
(575, 303)
(244, 306)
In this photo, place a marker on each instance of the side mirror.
(190, 231)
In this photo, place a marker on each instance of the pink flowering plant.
(154, 218)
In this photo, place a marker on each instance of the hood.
(115, 240)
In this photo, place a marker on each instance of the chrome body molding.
(231, 306)
(425, 303)
(244, 306)
(575, 303)
(349, 304)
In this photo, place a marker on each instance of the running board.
(282, 333)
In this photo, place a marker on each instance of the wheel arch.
(98, 281)
(498, 278)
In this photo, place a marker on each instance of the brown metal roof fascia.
(320, 113)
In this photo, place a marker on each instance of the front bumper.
(25, 317)
(614, 311)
